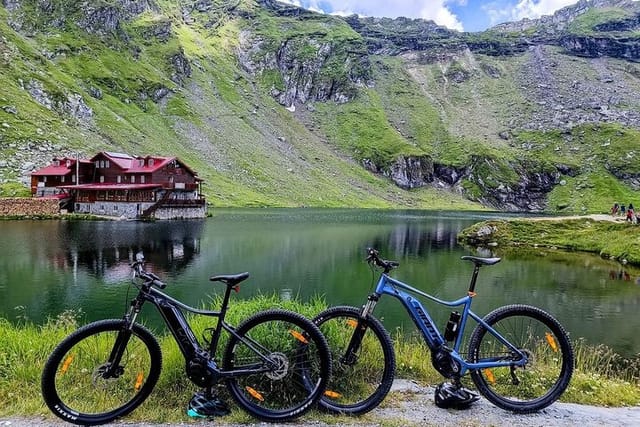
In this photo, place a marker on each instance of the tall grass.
(601, 378)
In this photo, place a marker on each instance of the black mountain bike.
(518, 356)
(276, 364)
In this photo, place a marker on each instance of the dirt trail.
(411, 405)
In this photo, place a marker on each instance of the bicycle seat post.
(477, 263)
(474, 277)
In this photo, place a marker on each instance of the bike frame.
(171, 311)
(389, 286)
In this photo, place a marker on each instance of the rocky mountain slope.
(274, 105)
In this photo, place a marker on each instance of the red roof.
(61, 169)
(52, 170)
(158, 163)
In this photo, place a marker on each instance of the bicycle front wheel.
(282, 362)
(79, 384)
(360, 381)
(550, 360)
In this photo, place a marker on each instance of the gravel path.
(412, 405)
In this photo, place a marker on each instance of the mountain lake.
(49, 266)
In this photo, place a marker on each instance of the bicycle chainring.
(199, 373)
(445, 364)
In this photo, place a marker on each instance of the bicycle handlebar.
(386, 265)
(149, 278)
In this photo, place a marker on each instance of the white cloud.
(498, 12)
(435, 10)
(535, 9)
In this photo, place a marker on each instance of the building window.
(101, 178)
(141, 179)
(44, 179)
(73, 178)
(133, 179)
(106, 163)
(62, 178)
(118, 179)
(150, 162)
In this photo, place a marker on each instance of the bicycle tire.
(72, 385)
(355, 389)
(547, 373)
(303, 369)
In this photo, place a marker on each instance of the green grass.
(586, 23)
(225, 124)
(601, 377)
(608, 239)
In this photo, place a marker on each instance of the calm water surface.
(49, 266)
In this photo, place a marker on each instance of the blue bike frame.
(389, 286)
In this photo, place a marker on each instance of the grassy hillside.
(210, 83)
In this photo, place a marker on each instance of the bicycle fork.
(112, 367)
(350, 356)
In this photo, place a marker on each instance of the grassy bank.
(617, 240)
(601, 377)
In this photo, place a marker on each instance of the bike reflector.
(352, 323)
(332, 394)
(297, 335)
(139, 379)
(66, 364)
(551, 341)
(490, 377)
(254, 393)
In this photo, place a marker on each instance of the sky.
(461, 15)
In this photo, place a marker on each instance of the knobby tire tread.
(382, 335)
(312, 332)
(519, 310)
(48, 381)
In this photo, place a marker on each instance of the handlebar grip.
(158, 283)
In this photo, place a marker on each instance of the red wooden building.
(117, 184)
(62, 171)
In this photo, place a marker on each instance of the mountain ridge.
(277, 106)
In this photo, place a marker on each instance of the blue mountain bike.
(519, 357)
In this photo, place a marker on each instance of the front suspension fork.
(350, 356)
(113, 365)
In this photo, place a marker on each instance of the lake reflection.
(50, 266)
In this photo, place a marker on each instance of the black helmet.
(449, 395)
(204, 405)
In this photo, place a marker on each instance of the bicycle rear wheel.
(546, 345)
(78, 384)
(359, 384)
(295, 362)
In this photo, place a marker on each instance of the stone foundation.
(25, 206)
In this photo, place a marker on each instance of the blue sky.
(462, 15)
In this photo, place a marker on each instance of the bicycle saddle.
(481, 261)
(230, 279)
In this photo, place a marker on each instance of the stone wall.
(181, 213)
(26, 206)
